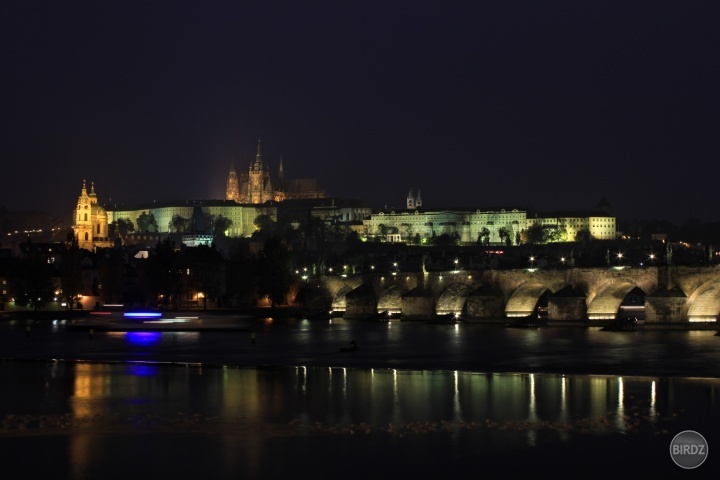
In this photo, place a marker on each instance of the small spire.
(281, 173)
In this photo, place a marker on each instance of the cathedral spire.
(258, 165)
(281, 173)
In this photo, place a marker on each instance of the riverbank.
(84, 318)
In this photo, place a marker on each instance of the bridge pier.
(418, 304)
(665, 305)
(485, 303)
(567, 304)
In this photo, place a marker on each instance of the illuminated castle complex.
(258, 186)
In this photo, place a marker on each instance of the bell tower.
(83, 220)
(232, 192)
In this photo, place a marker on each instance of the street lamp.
(305, 290)
(532, 259)
(619, 257)
(652, 258)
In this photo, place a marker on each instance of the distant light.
(142, 314)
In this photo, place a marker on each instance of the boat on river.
(531, 321)
(350, 348)
(624, 325)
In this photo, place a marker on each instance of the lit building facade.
(242, 216)
(466, 225)
(600, 226)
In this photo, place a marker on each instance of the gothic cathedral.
(259, 186)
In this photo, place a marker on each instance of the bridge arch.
(339, 300)
(452, 299)
(391, 299)
(524, 300)
(703, 304)
(605, 302)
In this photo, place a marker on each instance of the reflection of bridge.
(667, 294)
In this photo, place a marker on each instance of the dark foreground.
(414, 400)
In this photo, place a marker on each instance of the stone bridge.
(660, 294)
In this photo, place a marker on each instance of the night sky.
(534, 104)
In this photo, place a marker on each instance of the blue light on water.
(142, 370)
(142, 314)
(143, 339)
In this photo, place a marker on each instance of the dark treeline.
(691, 231)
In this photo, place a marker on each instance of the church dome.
(98, 211)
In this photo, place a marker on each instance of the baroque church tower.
(91, 221)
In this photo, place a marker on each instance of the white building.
(409, 225)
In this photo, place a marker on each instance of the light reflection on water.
(377, 396)
(249, 411)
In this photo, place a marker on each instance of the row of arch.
(605, 302)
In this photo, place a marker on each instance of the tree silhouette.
(146, 223)
(71, 271)
(274, 275)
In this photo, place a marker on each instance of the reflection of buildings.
(259, 186)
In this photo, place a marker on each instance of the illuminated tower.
(256, 182)
(83, 220)
(91, 220)
(414, 201)
(232, 192)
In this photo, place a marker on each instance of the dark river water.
(415, 400)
